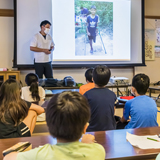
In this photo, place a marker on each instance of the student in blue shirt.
(92, 22)
(142, 109)
(101, 101)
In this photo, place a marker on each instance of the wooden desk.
(114, 143)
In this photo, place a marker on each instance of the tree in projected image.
(104, 11)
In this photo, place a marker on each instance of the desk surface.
(154, 87)
(114, 142)
(108, 86)
(56, 90)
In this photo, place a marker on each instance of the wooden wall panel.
(6, 13)
(152, 17)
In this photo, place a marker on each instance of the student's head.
(32, 81)
(93, 10)
(67, 116)
(101, 75)
(82, 8)
(140, 84)
(30, 78)
(89, 75)
(11, 104)
(45, 26)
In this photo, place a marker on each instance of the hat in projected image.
(94, 7)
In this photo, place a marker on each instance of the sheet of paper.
(142, 142)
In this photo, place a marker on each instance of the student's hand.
(88, 34)
(88, 138)
(46, 51)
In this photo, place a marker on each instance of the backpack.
(68, 81)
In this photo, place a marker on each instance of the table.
(55, 91)
(114, 143)
(61, 89)
(154, 88)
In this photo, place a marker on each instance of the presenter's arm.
(36, 49)
(52, 46)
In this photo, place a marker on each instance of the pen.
(153, 139)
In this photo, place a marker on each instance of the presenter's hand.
(46, 51)
(88, 138)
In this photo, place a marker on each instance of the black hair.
(66, 115)
(89, 74)
(81, 7)
(43, 23)
(141, 83)
(94, 7)
(32, 81)
(101, 75)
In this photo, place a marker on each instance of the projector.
(119, 80)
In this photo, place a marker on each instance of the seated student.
(32, 92)
(67, 118)
(17, 117)
(89, 80)
(101, 101)
(142, 109)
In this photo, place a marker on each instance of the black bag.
(68, 81)
(50, 82)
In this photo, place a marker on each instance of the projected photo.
(93, 28)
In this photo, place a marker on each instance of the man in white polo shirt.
(42, 45)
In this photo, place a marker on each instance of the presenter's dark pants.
(44, 68)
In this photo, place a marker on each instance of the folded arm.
(36, 49)
(38, 109)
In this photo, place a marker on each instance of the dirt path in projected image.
(82, 48)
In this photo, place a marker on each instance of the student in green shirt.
(67, 118)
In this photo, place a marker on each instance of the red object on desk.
(127, 97)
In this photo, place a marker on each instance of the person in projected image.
(42, 45)
(84, 11)
(92, 23)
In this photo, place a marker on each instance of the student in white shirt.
(33, 93)
(42, 45)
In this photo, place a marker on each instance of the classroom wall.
(7, 46)
(152, 68)
(7, 36)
